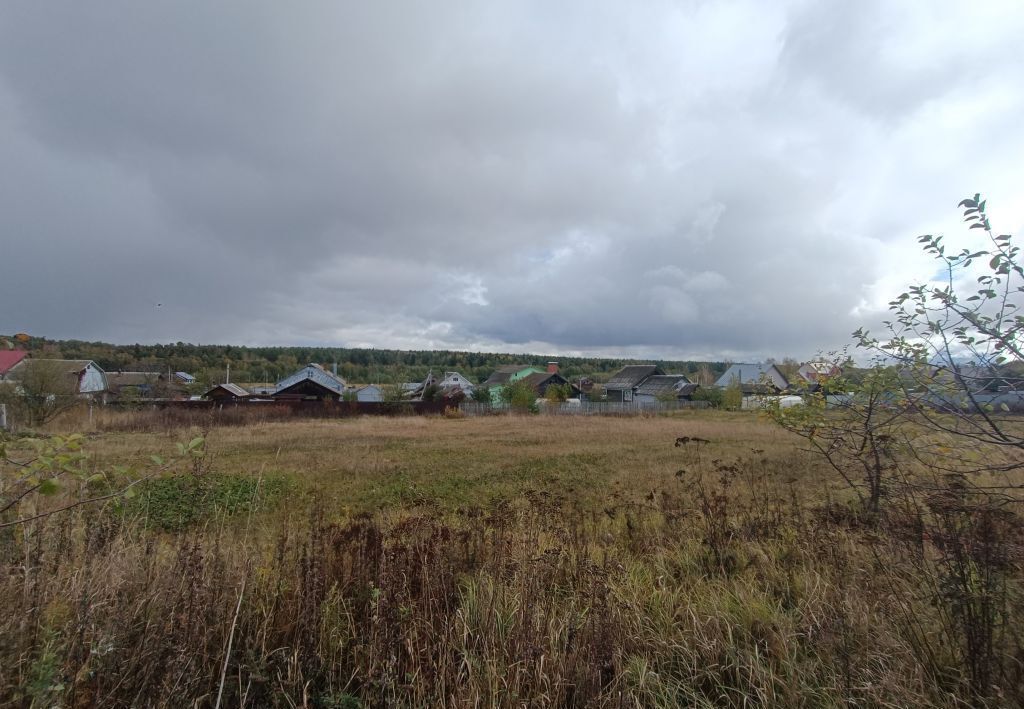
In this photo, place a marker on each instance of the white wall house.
(88, 376)
(454, 379)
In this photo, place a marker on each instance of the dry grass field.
(493, 561)
(383, 464)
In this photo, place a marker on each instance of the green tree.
(711, 394)
(557, 393)
(732, 396)
(926, 448)
(518, 394)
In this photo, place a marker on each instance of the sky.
(706, 180)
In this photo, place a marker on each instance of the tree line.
(209, 363)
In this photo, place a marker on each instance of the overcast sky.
(665, 179)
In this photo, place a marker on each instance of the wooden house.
(227, 392)
(624, 383)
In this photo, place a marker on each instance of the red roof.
(9, 358)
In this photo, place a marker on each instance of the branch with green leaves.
(42, 468)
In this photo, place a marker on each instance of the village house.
(87, 378)
(505, 374)
(541, 381)
(759, 378)
(311, 382)
(664, 388)
(227, 392)
(453, 380)
(623, 385)
(452, 384)
(508, 373)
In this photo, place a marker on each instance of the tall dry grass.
(714, 576)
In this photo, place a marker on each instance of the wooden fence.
(587, 408)
(303, 408)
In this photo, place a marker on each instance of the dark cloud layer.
(719, 179)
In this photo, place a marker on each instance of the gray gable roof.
(538, 379)
(233, 389)
(751, 375)
(663, 384)
(632, 375)
(318, 374)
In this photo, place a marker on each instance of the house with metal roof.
(451, 383)
(506, 374)
(664, 387)
(540, 381)
(624, 383)
(509, 373)
(227, 392)
(453, 380)
(758, 378)
(311, 382)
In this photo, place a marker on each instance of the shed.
(368, 393)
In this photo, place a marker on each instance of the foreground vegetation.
(500, 561)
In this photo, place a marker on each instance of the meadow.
(490, 561)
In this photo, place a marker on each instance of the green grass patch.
(177, 502)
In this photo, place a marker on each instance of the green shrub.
(711, 394)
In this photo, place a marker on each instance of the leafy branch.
(59, 464)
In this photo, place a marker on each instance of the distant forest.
(255, 365)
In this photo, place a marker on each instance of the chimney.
(552, 367)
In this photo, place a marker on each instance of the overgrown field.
(497, 561)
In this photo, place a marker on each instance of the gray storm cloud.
(713, 179)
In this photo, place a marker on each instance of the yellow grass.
(376, 463)
(502, 561)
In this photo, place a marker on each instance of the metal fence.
(586, 408)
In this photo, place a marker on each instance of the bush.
(519, 395)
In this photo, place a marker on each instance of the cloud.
(719, 179)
